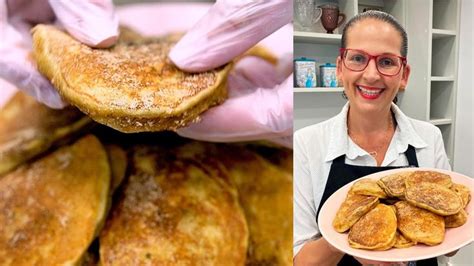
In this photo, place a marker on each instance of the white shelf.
(441, 121)
(438, 33)
(319, 89)
(438, 78)
(317, 37)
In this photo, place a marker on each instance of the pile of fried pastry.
(401, 210)
(74, 192)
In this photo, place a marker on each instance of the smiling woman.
(370, 134)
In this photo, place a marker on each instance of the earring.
(344, 95)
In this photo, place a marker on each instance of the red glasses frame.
(343, 50)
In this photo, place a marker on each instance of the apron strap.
(411, 156)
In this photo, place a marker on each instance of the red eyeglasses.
(358, 60)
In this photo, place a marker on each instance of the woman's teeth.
(370, 92)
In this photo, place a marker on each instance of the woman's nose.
(371, 73)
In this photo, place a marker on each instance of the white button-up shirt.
(316, 146)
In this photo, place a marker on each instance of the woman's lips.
(370, 93)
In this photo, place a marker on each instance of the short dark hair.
(378, 15)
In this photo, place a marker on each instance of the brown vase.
(331, 18)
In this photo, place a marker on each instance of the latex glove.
(254, 110)
(260, 106)
(91, 22)
(7, 90)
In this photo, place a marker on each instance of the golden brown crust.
(456, 220)
(174, 212)
(462, 192)
(419, 225)
(402, 242)
(264, 190)
(265, 193)
(432, 177)
(352, 209)
(433, 197)
(118, 165)
(394, 184)
(28, 128)
(130, 87)
(368, 187)
(375, 230)
(52, 209)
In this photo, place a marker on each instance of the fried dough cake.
(394, 184)
(456, 220)
(352, 209)
(174, 212)
(51, 209)
(131, 87)
(402, 242)
(29, 128)
(462, 192)
(433, 197)
(368, 187)
(419, 225)
(376, 230)
(118, 165)
(265, 193)
(433, 177)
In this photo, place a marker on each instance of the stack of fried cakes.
(401, 210)
(106, 198)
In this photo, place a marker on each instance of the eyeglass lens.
(386, 64)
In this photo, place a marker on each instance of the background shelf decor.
(433, 36)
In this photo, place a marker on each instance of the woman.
(371, 134)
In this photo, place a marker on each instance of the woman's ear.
(405, 76)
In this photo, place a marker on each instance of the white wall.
(464, 132)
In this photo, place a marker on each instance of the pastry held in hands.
(131, 87)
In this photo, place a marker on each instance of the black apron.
(342, 174)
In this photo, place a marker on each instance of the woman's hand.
(90, 22)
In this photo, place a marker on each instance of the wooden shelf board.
(441, 121)
(442, 78)
(317, 37)
(438, 33)
(319, 89)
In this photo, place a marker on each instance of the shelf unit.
(433, 30)
(433, 34)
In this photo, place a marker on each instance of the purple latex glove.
(260, 104)
(91, 22)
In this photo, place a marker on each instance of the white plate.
(455, 238)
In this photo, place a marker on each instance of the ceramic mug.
(331, 18)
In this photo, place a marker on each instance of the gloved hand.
(260, 104)
(91, 22)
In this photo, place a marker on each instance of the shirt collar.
(339, 142)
